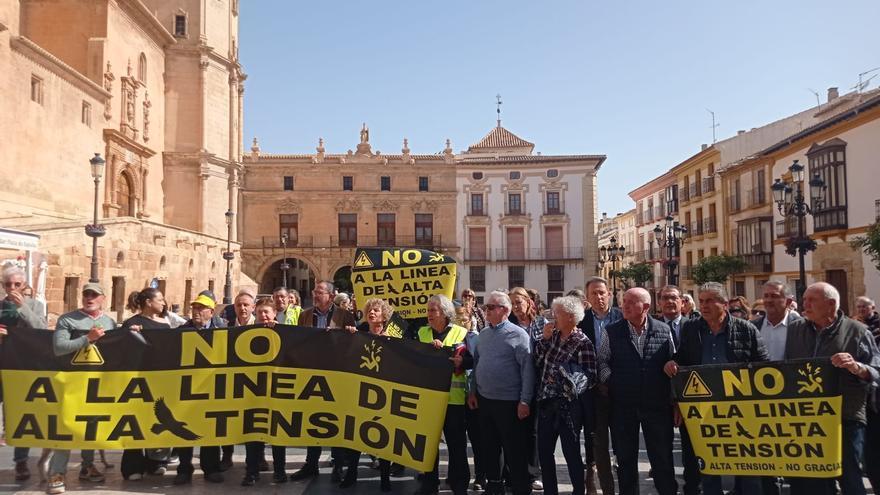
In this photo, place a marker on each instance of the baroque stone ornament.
(348, 205)
(424, 205)
(386, 205)
(147, 106)
(288, 205)
(108, 86)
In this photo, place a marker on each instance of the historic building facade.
(525, 219)
(155, 87)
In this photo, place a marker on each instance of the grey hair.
(689, 298)
(572, 305)
(786, 291)
(595, 280)
(828, 292)
(340, 298)
(670, 288)
(445, 305)
(502, 298)
(576, 293)
(11, 271)
(715, 288)
(866, 300)
(243, 294)
(328, 284)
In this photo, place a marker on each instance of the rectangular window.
(672, 199)
(36, 89)
(288, 225)
(386, 227)
(555, 278)
(516, 244)
(477, 243)
(553, 242)
(830, 164)
(288, 183)
(86, 117)
(180, 25)
(553, 203)
(347, 183)
(424, 229)
(477, 204)
(514, 204)
(478, 278)
(71, 293)
(423, 184)
(348, 229)
(516, 276)
(385, 183)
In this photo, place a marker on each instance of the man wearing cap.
(209, 457)
(74, 331)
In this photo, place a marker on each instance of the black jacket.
(743, 339)
(586, 325)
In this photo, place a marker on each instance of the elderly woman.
(478, 316)
(342, 300)
(442, 332)
(377, 312)
(566, 363)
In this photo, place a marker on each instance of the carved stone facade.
(168, 179)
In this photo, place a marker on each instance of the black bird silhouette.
(166, 421)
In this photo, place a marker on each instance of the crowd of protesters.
(527, 378)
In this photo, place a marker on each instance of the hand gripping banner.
(404, 278)
(286, 385)
(780, 418)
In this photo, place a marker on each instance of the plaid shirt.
(553, 354)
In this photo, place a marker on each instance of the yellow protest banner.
(774, 419)
(279, 385)
(405, 278)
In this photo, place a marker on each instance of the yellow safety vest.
(291, 315)
(456, 335)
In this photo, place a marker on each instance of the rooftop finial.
(498, 109)
(256, 145)
(365, 134)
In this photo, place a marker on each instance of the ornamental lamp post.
(791, 203)
(612, 254)
(228, 256)
(671, 235)
(95, 230)
(284, 265)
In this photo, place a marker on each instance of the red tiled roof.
(500, 137)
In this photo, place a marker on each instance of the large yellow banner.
(772, 419)
(284, 386)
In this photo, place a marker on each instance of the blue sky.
(630, 79)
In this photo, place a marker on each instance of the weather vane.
(498, 110)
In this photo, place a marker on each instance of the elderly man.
(18, 311)
(244, 309)
(867, 314)
(74, 331)
(630, 364)
(596, 442)
(504, 380)
(287, 312)
(716, 337)
(324, 314)
(441, 332)
(827, 332)
(209, 457)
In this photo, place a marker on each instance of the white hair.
(572, 305)
(12, 271)
(502, 299)
(870, 302)
(828, 292)
(715, 288)
(446, 306)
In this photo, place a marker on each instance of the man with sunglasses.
(18, 311)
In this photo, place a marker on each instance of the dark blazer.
(759, 321)
(586, 325)
(339, 319)
(743, 339)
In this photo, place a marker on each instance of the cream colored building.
(328, 204)
(155, 87)
(622, 229)
(523, 218)
(655, 200)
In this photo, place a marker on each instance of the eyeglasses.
(757, 312)
(13, 284)
(467, 296)
(737, 310)
(490, 307)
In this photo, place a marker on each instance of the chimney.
(703, 147)
(740, 132)
(832, 94)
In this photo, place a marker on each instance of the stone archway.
(342, 279)
(300, 276)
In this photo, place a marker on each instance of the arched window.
(125, 195)
(142, 69)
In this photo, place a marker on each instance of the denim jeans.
(20, 454)
(554, 423)
(60, 458)
(853, 444)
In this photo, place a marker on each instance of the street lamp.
(671, 235)
(228, 256)
(790, 201)
(95, 230)
(612, 254)
(284, 265)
